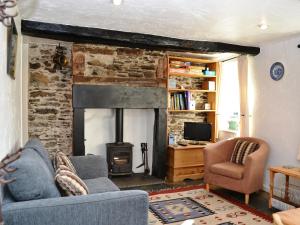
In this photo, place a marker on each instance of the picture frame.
(12, 44)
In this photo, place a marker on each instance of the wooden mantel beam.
(120, 38)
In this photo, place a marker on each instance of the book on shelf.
(181, 101)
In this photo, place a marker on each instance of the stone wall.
(50, 92)
(102, 64)
(50, 99)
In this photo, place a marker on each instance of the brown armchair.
(218, 170)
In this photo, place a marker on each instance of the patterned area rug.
(196, 206)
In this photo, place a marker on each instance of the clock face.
(277, 71)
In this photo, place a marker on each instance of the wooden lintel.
(119, 38)
(131, 80)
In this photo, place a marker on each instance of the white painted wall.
(10, 97)
(25, 84)
(276, 112)
(138, 127)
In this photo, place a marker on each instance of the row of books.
(181, 101)
(194, 70)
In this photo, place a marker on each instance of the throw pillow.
(69, 182)
(61, 158)
(241, 150)
(33, 178)
(37, 145)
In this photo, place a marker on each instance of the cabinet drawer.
(180, 174)
(188, 170)
(183, 158)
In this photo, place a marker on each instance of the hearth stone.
(119, 158)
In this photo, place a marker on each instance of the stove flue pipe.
(119, 125)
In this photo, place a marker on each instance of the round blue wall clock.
(277, 71)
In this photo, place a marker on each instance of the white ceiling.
(230, 21)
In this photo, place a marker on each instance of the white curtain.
(245, 89)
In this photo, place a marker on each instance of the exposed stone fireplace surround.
(50, 92)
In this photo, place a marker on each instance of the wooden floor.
(258, 201)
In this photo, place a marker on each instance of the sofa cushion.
(100, 184)
(228, 169)
(37, 145)
(61, 158)
(241, 150)
(69, 182)
(33, 178)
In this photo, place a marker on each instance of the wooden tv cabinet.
(185, 162)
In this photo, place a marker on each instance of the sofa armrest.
(119, 207)
(90, 166)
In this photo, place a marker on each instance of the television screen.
(197, 131)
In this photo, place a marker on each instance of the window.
(229, 100)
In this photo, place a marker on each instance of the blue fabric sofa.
(105, 205)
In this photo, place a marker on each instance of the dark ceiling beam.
(120, 38)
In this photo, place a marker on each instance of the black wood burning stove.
(119, 154)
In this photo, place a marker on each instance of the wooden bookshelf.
(180, 97)
(191, 90)
(196, 110)
(191, 75)
(195, 60)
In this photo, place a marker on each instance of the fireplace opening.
(88, 99)
(119, 153)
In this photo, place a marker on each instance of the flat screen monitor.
(197, 131)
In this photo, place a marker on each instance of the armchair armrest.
(254, 168)
(120, 207)
(90, 166)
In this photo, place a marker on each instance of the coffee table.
(288, 172)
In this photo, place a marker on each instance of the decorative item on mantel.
(7, 11)
(60, 60)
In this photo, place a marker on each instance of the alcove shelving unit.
(192, 87)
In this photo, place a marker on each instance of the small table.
(288, 172)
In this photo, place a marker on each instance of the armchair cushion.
(228, 169)
(241, 150)
(288, 217)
